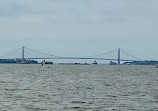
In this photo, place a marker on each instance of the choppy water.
(78, 88)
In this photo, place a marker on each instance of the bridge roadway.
(61, 57)
(81, 58)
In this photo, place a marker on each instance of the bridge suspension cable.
(131, 55)
(103, 53)
(61, 57)
(43, 53)
(10, 53)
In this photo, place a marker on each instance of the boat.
(76, 63)
(156, 65)
(46, 62)
(94, 62)
(112, 63)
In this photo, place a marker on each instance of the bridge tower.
(23, 54)
(119, 56)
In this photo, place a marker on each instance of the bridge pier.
(23, 55)
(119, 56)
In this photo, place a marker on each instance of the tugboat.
(94, 62)
(46, 62)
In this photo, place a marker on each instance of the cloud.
(89, 10)
(83, 18)
(90, 25)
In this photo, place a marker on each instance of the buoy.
(42, 63)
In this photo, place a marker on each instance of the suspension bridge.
(22, 55)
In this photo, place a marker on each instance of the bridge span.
(83, 58)
(118, 59)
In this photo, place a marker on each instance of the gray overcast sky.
(80, 27)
